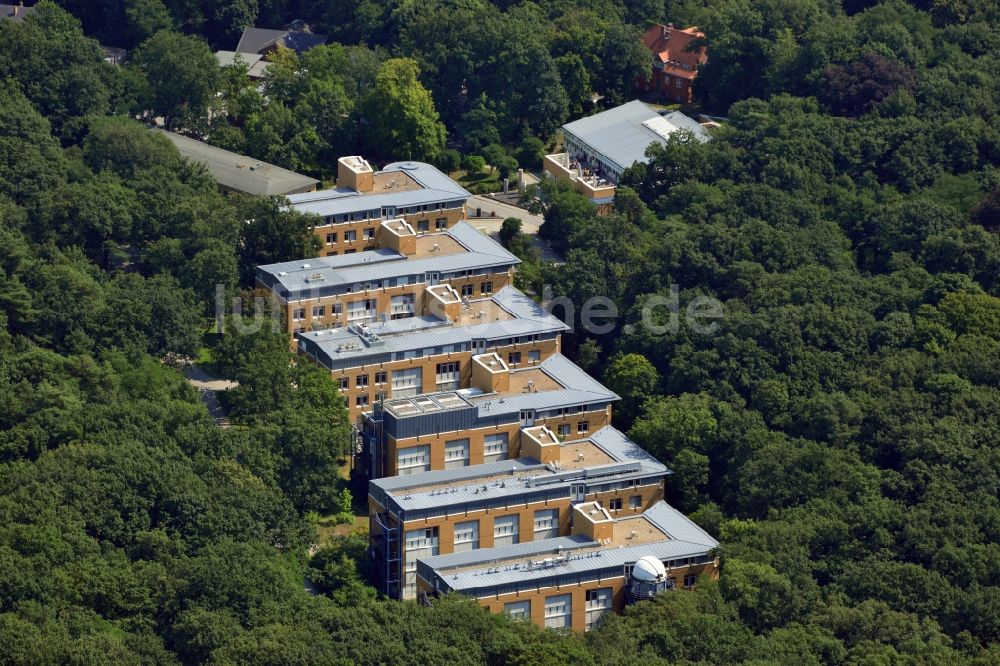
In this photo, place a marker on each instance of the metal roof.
(576, 556)
(239, 172)
(259, 40)
(481, 251)
(620, 135)
(526, 475)
(435, 187)
(415, 333)
(226, 58)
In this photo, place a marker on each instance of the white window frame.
(518, 610)
(598, 602)
(546, 524)
(456, 453)
(559, 611)
(413, 459)
(466, 536)
(496, 447)
(506, 529)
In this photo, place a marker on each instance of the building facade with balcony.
(391, 358)
(393, 281)
(569, 582)
(505, 502)
(599, 148)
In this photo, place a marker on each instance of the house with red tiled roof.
(676, 60)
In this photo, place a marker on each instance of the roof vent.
(306, 266)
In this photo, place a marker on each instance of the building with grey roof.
(507, 501)
(571, 581)
(351, 213)
(457, 252)
(597, 149)
(16, 13)
(239, 173)
(394, 353)
(264, 40)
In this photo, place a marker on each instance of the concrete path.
(490, 224)
(208, 387)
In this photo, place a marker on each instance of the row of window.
(581, 427)
(447, 376)
(634, 502)
(389, 212)
(416, 459)
(400, 305)
(368, 233)
(559, 609)
(506, 530)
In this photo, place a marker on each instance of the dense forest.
(839, 432)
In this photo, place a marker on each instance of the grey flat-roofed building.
(517, 481)
(239, 173)
(262, 40)
(15, 13)
(565, 560)
(617, 138)
(414, 337)
(434, 188)
(340, 274)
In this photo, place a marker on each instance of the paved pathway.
(209, 387)
(490, 224)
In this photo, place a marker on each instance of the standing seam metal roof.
(619, 134)
(481, 251)
(436, 187)
(683, 539)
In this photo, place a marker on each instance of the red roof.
(670, 46)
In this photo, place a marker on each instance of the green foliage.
(181, 75)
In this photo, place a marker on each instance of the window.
(351, 235)
(331, 253)
(401, 307)
(298, 314)
(689, 580)
(467, 536)
(421, 542)
(680, 82)
(331, 239)
(615, 504)
(546, 524)
(467, 290)
(558, 612)
(582, 426)
(495, 447)
(534, 356)
(413, 459)
(297, 332)
(518, 610)
(319, 311)
(407, 383)
(345, 383)
(441, 223)
(456, 453)
(369, 233)
(563, 429)
(635, 502)
(598, 602)
(514, 358)
(423, 225)
(361, 381)
(447, 376)
(350, 251)
(505, 530)
(361, 400)
(380, 377)
(486, 287)
(361, 311)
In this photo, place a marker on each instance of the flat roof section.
(431, 187)
(623, 133)
(240, 173)
(606, 454)
(661, 532)
(459, 248)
